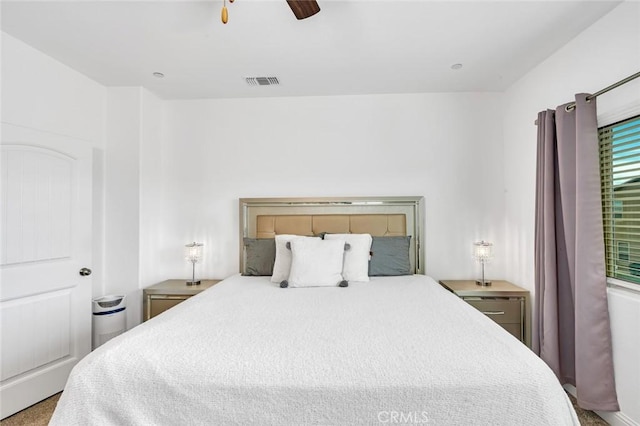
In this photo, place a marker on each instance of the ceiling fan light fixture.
(224, 15)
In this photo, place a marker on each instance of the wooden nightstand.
(505, 303)
(167, 294)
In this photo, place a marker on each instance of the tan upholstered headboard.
(378, 216)
(378, 225)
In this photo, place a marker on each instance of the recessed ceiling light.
(456, 66)
(158, 75)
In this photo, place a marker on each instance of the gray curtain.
(573, 335)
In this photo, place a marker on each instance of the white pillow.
(282, 264)
(356, 259)
(316, 263)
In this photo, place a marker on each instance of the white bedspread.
(396, 350)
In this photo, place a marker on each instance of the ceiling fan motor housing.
(304, 8)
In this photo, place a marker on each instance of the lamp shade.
(193, 252)
(482, 251)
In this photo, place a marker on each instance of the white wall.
(122, 199)
(151, 189)
(42, 94)
(604, 53)
(133, 194)
(445, 147)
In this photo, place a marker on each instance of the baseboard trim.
(617, 418)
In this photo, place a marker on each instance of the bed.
(395, 349)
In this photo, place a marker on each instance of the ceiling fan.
(304, 8)
(301, 8)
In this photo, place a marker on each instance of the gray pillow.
(260, 256)
(390, 256)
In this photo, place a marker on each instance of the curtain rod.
(572, 105)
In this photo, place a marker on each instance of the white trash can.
(109, 318)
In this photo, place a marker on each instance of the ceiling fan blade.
(304, 8)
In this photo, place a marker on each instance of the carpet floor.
(40, 413)
(36, 415)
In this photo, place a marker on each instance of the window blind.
(620, 183)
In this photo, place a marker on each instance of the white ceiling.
(350, 47)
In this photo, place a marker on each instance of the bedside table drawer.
(502, 311)
(505, 303)
(159, 304)
(167, 294)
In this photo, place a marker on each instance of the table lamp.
(482, 252)
(193, 254)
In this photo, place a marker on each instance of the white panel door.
(45, 239)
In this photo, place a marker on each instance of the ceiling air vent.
(262, 81)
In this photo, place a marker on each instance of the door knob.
(85, 271)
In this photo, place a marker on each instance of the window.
(620, 177)
(623, 251)
(617, 209)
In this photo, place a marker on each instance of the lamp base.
(193, 282)
(483, 282)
